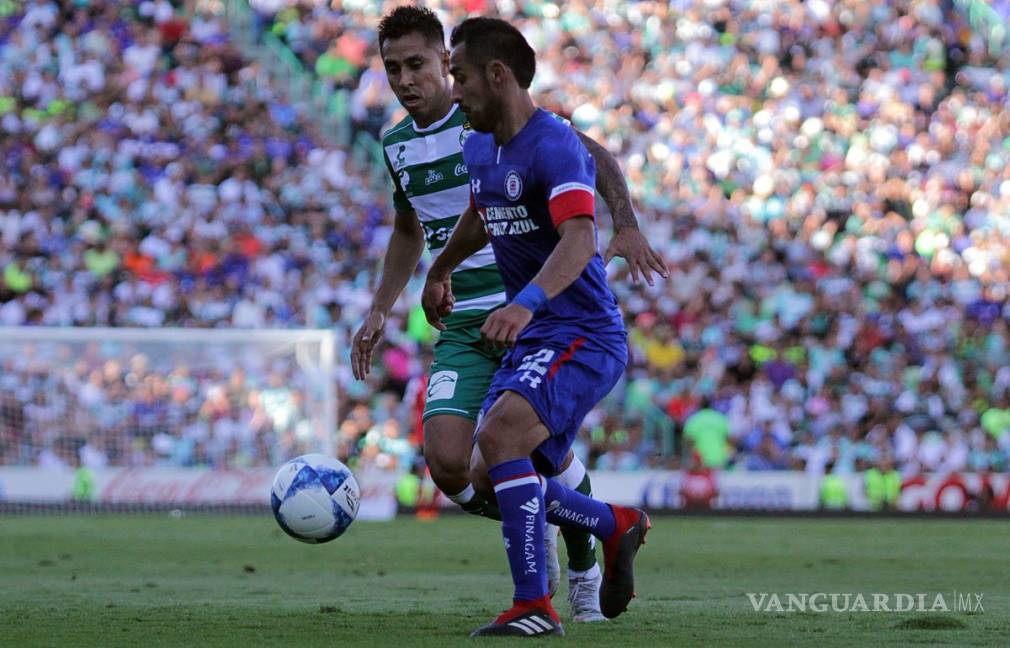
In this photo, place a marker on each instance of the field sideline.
(204, 580)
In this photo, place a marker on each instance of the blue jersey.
(523, 191)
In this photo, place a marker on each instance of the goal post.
(171, 397)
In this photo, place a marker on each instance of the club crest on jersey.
(400, 160)
(465, 133)
(404, 180)
(513, 185)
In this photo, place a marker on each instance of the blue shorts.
(562, 379)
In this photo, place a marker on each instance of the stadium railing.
(330, 106)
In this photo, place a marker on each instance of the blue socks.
(521, 502)
(527, 502)
(572, 509)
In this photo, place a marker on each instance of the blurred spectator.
(883, 486)
(697, 487)
(833, 495)
(707, 433)
(629, 454)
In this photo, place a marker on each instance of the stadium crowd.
(828, 181)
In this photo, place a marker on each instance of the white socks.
(463, 496)
(573, 475)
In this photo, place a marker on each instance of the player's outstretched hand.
(364, 343)
(642, 260)
(437, 301)
(502, 327)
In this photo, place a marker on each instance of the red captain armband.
(569, 200)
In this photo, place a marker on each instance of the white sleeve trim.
(570, 186)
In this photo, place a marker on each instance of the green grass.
(238, 581)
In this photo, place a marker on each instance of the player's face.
(471, 90)
(418, 73)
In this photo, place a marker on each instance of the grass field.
(205, 580)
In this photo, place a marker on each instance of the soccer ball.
(314, 498)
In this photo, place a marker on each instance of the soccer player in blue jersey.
(531, 192)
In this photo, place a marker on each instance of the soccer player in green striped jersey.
(424, 156)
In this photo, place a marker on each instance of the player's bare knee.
(494, 443)
(450, 473)
(501, 441)
(447, 446)
(498, 429)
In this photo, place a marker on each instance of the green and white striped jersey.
(429, 176)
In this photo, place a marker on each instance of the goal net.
(113, 398)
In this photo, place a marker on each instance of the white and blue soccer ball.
(314, 498)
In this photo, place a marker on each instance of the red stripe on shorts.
(566, 356)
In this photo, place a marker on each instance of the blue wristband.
(531, 297)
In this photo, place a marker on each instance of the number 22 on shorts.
(534, 367)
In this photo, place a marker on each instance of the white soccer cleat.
(584, 595)
(553, 565)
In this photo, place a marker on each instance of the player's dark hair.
(495, 39)
(408, 19)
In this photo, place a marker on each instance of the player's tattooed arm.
(405, 247)
(467, 238)
(628, 242)
(610, 184)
